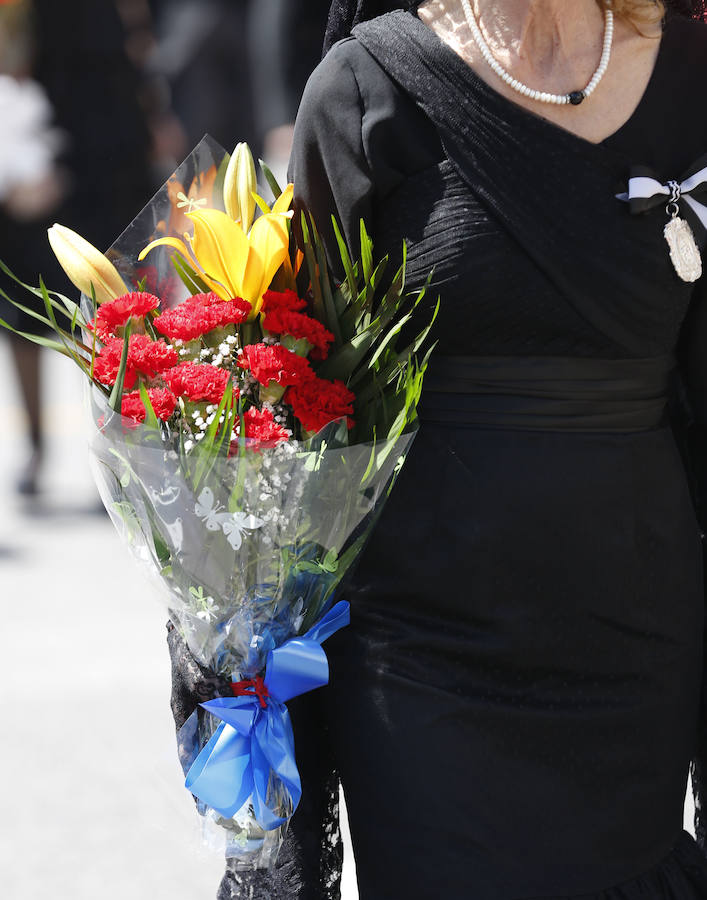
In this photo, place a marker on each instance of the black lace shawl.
(311, 859)
(345, 14)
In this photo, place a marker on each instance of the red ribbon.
(254, 687)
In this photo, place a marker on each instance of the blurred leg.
(26, 357)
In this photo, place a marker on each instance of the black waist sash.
(540, 393)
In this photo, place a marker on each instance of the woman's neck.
(544, 34)
(553, 46)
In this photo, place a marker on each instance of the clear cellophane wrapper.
(247, 547)
(246, 552)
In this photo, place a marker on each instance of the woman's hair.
(639, 12)
(344, 14)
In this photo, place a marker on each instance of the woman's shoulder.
(348, 75)
(349, 91)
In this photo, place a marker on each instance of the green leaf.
(366, 253)
(116, 395)
(191, 279)
(341, 303)
(150, 416)
(66, 339)
(207, 452)
(415, 345)
(162, 550)
(332, 318)
(234, 501)
(310, 256)
(371, 462)
(388, 337)
(330, 563)
(270, 178)
(63, 304)
(28, 310)
(342, 362)
(345, 258)
(38, 339)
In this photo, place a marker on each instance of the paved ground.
(92, 802)
(92, 799)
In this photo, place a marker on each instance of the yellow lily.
(231, 262)
(239, 184)
(86, 266)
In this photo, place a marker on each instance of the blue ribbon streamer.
(252, 741)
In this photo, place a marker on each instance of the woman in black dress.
(515, 707)
(73, 50)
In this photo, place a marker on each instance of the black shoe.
(27, 483)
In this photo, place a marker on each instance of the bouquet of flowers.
(251, 416)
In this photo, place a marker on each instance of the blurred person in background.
(236, 69)
(285, 40)
(75, 148)
(169, 140)
(201, 52)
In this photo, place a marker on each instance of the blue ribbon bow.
(255, 735)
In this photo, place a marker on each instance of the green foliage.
(191, 279)
(329, 564)
(216, 441)
(367, 314)
(68, 340)
(116, 395)
(270, 178)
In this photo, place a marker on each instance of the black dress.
(515, 706)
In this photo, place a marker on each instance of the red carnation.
(229, 312)
(150, 357)
(282, 300)
(107, 362)
(285, 321)
(275, 363)
(198, 382)
(200, 314)
(116, 313)
(260, 426)
(145, 357)
(317, 402)
(162, 399)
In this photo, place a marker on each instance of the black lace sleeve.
(690, 421)
(310, 862)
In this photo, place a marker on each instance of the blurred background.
(99, 102)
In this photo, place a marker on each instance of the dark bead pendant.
(576, 97)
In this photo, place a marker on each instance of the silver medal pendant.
(684, 252)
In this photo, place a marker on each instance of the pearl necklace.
(574, 97)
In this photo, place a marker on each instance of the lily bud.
(86, 266)
(239, 184)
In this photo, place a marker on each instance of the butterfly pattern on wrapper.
(233, 525)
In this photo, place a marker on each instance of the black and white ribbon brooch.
(687, 215)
